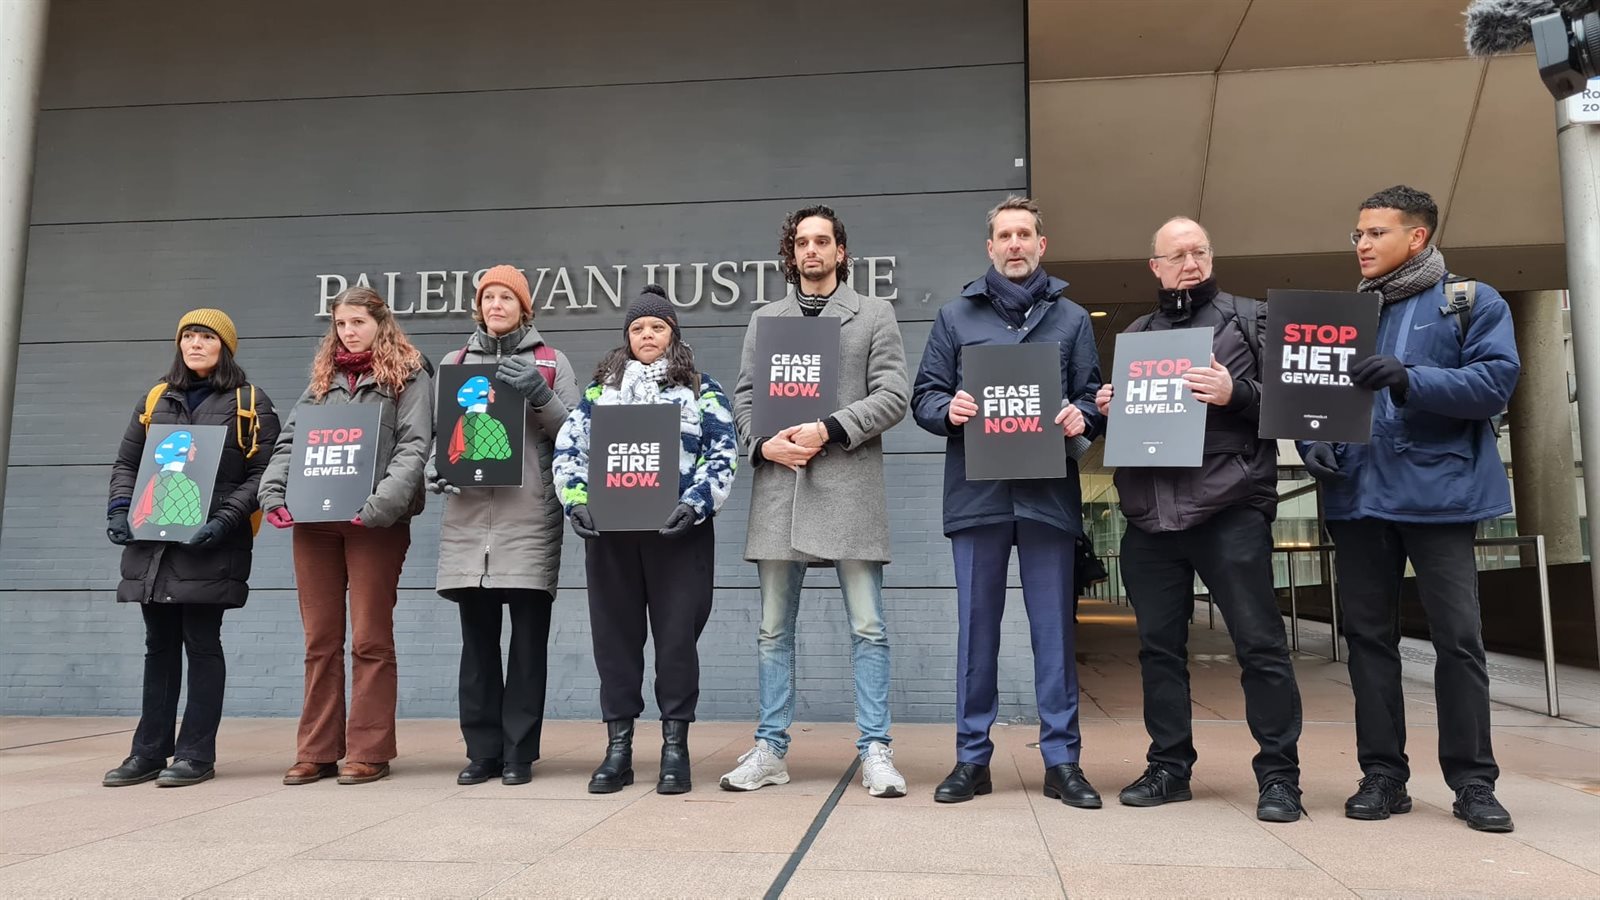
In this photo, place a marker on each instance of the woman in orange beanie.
(500, 547)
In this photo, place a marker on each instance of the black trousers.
(502, 711)
(170, 631)
(1371, 564)
(1232, 552)
(638, 578)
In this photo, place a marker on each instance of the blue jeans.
(861, 583)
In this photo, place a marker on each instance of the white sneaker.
(878, 774)
(759, 767)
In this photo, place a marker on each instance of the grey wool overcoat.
(836, 506)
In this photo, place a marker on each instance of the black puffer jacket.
(162, 572)
(1238, 468)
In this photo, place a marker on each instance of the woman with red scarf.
(365, 358)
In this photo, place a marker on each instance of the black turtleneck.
(1179, 305)
(197, 392)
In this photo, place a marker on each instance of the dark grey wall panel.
(264, 272)
(121, 52)
(821, 135)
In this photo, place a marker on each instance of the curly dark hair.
(791, 272)
(1416, 207)
(680, 365)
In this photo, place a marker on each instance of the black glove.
(209, 533)
(436, 483)
(525, 378)
(582, 522)
(1378, 372)
(1322, 463)
(117, 527)
(681, 520)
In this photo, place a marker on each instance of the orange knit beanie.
(510, 277)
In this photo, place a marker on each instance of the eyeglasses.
(1200, 254)
(1376, 233)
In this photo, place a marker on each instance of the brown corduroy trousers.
(329, 556)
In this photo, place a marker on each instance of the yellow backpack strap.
(247, 414)
(150, 401)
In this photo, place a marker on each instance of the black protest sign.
(796, 375)
(177, 476)
(333, 465)
(633, 465)
(1018, 391)
(1154, 420)
(479, 429)
(1312, 340)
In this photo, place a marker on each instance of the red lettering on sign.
(1147, 368)
(793, 389)
(1011, 424)
(633, 479)
(1306, 333)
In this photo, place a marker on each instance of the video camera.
(1565, 36)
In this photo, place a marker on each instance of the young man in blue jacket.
(1015, 302)
(1416, 491)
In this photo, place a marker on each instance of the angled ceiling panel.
(1281, 33)
(1100, 38)
(1509, 191)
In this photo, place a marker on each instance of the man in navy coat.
(1015, 302)
(1416, 491)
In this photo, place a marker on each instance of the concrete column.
(1541, 428)
(22, 31)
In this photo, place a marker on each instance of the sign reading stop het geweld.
(633, 465)
(333, 463)
(796, 377)
(1312, 340)
(1154, 420)
(1018, 391)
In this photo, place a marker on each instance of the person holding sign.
(363, 360)
(1016, 302)
(1446, 363)
(500, 547)
(1215, 519)
(818, 498)
(662, 578)
(183, 589)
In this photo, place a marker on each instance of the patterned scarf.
(353, 365)
(1410, 278)
(1012, 300)
(642, 383)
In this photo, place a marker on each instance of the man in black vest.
(1215, 520)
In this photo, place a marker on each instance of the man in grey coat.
(818, 499)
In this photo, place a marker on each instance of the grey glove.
(436, 483)
(681, 520)
(117, 527)
(582, 522)
(525, 377)
(1323, 463)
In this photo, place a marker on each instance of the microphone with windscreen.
(1565, 35)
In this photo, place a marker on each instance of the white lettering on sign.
(630, 465)
(719, 284)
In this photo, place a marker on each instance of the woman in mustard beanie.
(183, 589)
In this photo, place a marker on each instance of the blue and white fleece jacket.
(705, 467)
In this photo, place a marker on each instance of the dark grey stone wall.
(255, 155)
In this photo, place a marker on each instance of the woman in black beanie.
(662, 577)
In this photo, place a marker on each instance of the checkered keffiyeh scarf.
(1412, 277)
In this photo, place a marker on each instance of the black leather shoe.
(1067, 784)
(674, 758)
(1156, 786)
(516, 773)
(1476, 804)
(616, 770)
(478, 771)
(134, 770)
(1377, 798)
(184, 772)
(964, 782)
(1280, 802)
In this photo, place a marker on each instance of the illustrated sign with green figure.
(480, 428)
(177, 476)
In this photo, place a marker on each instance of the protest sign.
(176, 479)
(1154, 419)
(633, 465)
(1018, 391)
(1312, 340)
(333, 463)
(479, 428)
(796, 373)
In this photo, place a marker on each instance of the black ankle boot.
(674, 757)
(616, 770)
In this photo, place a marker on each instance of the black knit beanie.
(652, 301)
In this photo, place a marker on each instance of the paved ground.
(418, 834)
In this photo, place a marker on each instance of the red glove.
(280, 517)
(357, 520)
